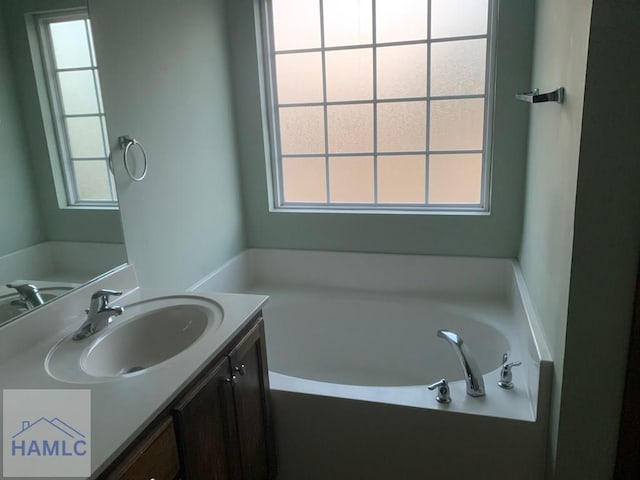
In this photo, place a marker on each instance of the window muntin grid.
(378, 104)
(77, 110)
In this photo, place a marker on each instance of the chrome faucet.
(29, 295)
(472, 375)
(99, 314)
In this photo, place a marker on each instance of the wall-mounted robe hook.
(536, 97)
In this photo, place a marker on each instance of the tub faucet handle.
(443, 395)
(506, 377)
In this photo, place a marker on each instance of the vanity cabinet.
(218, 428)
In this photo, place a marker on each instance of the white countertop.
(121, 408)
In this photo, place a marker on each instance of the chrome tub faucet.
(472, 374)
(99, 314)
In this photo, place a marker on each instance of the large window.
(380, 104)
(75, 102)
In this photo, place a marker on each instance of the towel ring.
(126, 143)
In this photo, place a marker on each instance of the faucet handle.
(506, 377)
(443, 395)
(100, 299)
(22, 287)
(105, 292)
(25, 290)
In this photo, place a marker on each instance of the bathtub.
(351, 346)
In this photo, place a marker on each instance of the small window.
(73, 89)
(380, 104)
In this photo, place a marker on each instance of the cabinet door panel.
(155, 456)
(204, 421)
(251, 395)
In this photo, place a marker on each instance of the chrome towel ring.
(126, 142)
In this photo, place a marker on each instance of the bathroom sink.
(149, 333)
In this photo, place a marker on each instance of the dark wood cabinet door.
(205, 425)
(251, 399)
(154, 456)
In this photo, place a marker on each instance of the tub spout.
(472, 375)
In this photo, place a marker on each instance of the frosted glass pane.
(401, 179)
(85, 137)
(454, 18)
(299, 77)
(304, 179)
(301, 130)
(78, 92)
(402, 71)
(455, 178)
(457, 124)
(402, 126)
(349, 74)
(70, 44)
(347, 22)
(92, 180)
(458, 68)
(398, 20)
(350, 128)
(296, 24)
(351, 179)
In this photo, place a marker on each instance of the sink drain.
(125, 371)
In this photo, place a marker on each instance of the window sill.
(442, 211)
(114, 208)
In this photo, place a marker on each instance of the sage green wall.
(581, 230)
(19, 210)
(59, 223)
(560, 59)
(497, 234)
(165, 81)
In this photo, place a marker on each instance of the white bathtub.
(351, 344)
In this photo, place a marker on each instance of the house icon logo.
(46, 433)
(48, 437)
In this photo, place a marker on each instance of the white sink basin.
(148, 334)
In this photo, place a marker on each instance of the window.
(380, 104)
(73, 89)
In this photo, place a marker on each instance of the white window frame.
(276, 193)
(61, 159)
